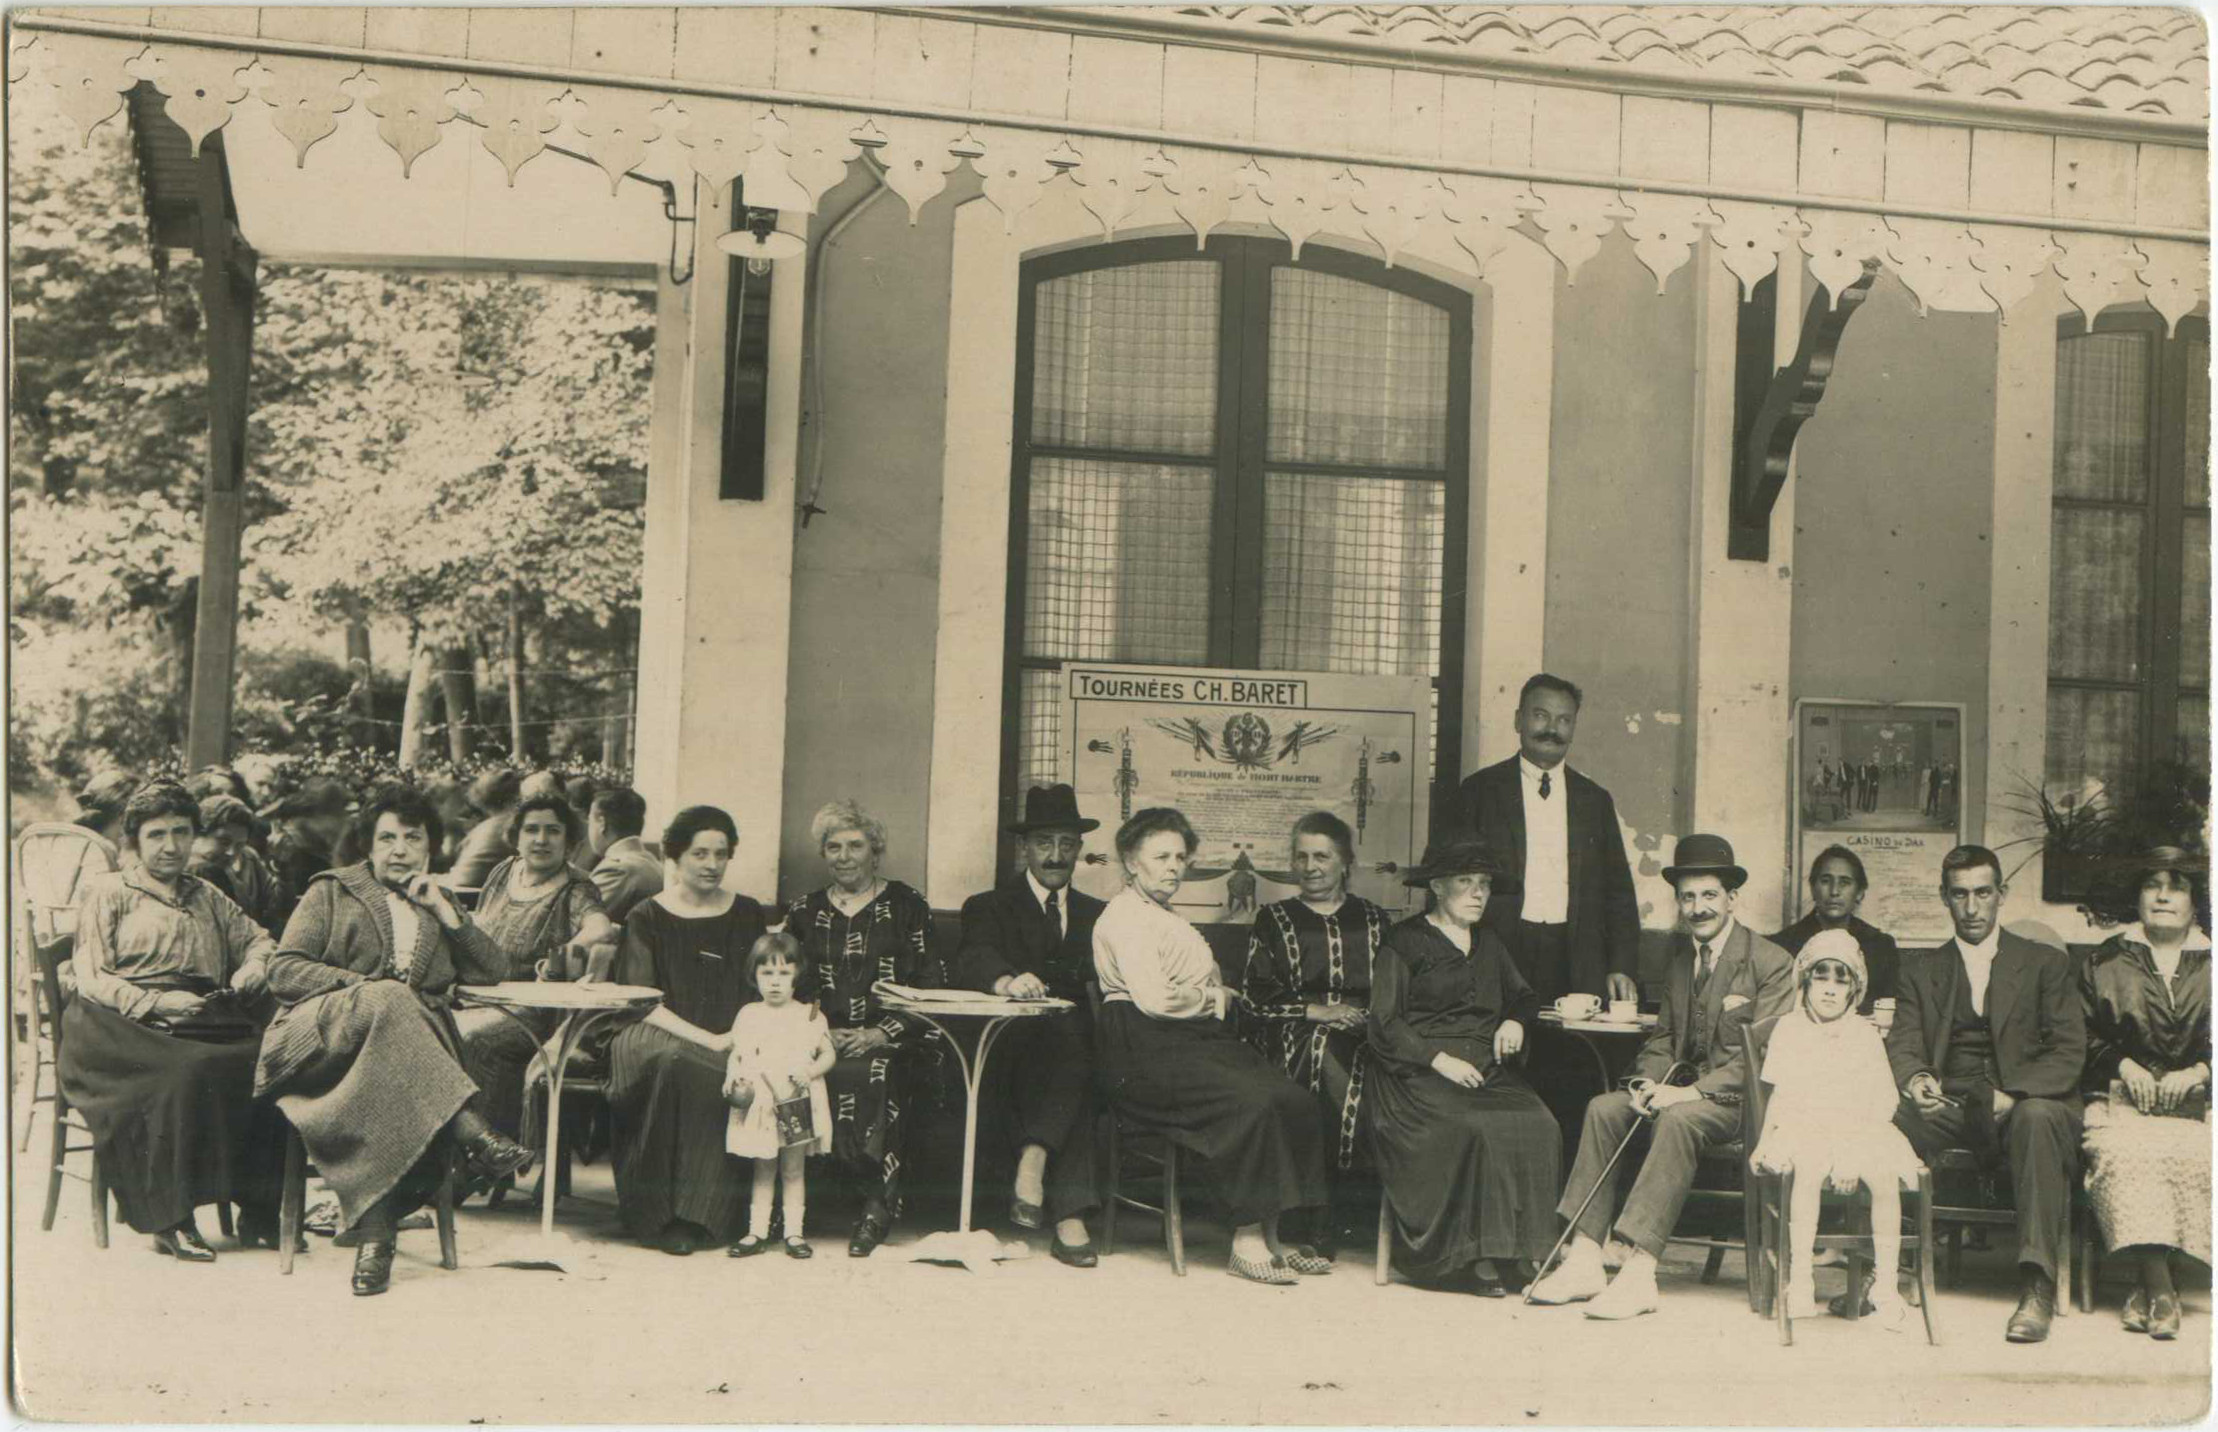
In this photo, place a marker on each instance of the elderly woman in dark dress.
(1307, 986)
(675, 1189)
(1468, 1153)
(858, 930)
(364, 1058)
(2147, 993)
(543, 916)
(1166, 1057)
(158, 1046)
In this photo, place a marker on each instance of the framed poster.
(1884, 779)
(1245, 754)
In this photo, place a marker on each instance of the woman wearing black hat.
(1467, 1152)
(2147, 992)
(1167, 1057)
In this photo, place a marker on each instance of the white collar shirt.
(1716, 947)
(1062, 904)
(1979, 965)
(1547, 878)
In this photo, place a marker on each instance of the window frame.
(1239, 458)
(2162, 662)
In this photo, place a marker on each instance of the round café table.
(579, 1009)
(933, 1006)
(1603, 1038)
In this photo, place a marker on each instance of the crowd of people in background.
(240, 971)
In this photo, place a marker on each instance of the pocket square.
(1734, 1001)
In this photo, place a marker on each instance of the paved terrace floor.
(643, 1337)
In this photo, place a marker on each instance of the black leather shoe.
(680, 1240)
(1073, 1255)
(1837, 1305)
(799, 1248)
(185, 1244)
(373, 1267)
(1025, 1215)
(870, 1231)
(496, 1156)
(2036, 1306)
(2164, 1317)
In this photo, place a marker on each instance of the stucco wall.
(1893, 504)
(1619, 531)
(866, 571)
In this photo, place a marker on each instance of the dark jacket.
(1006, 932)
(2132, 1015)
(1603, 937)
(1752, 975)
(2033, 1014)
(1882, 957)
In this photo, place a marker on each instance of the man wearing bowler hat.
(1030, 938)
(1721, 976)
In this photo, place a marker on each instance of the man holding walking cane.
(1722, 977)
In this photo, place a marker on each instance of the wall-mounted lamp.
(760, 241)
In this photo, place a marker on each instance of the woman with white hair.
(859, 929)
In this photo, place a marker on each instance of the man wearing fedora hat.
(1033, 937)
(1721, 976)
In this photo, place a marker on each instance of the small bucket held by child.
(795, 1124)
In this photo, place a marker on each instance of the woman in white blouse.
(1169, 1059)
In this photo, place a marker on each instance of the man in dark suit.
(1570, 919)
(1837, 885)
(1721, 977)
(1987, 1046)
(1032, 938)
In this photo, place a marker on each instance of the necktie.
(1055, 912)
(1544, 787)
(1701, 969)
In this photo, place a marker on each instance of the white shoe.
(1629, 1295)
(1574, 1280)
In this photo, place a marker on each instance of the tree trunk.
(415, 706)
(459, 688)
(516, 674)
(180, 622)
(359, 671)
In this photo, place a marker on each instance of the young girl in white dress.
(781, 1050)
(1831, 1118)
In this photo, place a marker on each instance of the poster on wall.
(1886, 781)
(1245, 754)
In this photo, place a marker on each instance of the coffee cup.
(1578, 1006)
(1624, 1011)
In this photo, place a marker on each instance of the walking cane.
(1670, 1074)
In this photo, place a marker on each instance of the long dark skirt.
(668, 1119)
(1255, 1133)
(869, 1139)
(1469, 1173)
(174, 1120)
(370, 1074)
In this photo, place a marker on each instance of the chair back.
(1756, 1040)
(54, 862)
(49, 957)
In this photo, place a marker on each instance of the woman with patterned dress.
(542, 915)
(675, 1189)
(1467, 1152)
(858, 930)
(2147, 993)
(1307, 988)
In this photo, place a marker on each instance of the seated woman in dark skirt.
(1307, 986)
(1167, 1057)
(158, 1046)
(364, 1058)
(675, 1189)
(1468, 1154)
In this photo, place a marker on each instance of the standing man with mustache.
(1032, 938)
(1569, 916)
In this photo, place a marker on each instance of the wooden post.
(227, 288)
(515, 676)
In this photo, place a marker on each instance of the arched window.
(1224, 457)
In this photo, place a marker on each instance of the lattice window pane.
(2093, 735)
(2197, 493)
(1127, 358)
(1351, 573)
(1359, 374)
(1040, 729)
(2102, 417)
(2095, 594)
(1118, 561)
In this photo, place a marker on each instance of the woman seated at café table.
(859, 929)
(1168, 1059)
(158, 1046)
(1468, 1153)
(364, 1058)
(2147, 993)
(543, 916)
(1307, 987)
(675, 1189)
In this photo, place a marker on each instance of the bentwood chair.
(65, 1119)
(1162, 1159)
(52, 864)
(291, 1210)
(1770, 1196)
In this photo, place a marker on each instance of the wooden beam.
(1770, 408)
(227, 289)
